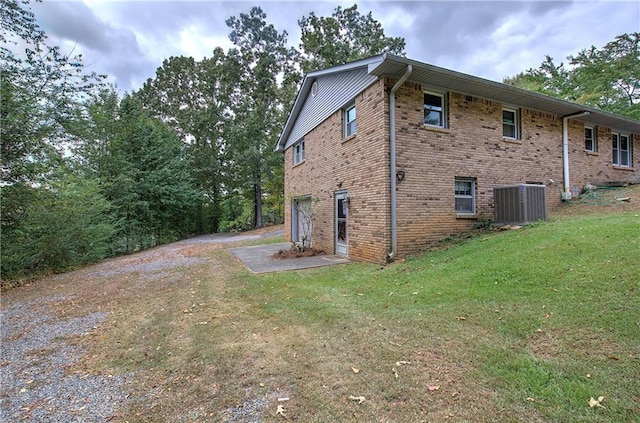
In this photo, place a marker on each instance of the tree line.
(88, 173)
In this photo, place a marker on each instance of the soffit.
(448, 80)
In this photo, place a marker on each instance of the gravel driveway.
(39, 342)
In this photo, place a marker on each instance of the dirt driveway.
(45, 371)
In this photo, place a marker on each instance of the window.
(621, 150)
(465, 193)
(349, 121)
(298, 152)
(590, 139)
(510, 123)
(434, 109)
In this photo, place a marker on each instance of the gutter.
(566, 192)
(392, 154)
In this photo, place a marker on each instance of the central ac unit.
(520, 204)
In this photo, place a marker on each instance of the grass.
(525, 325)
(534, 321)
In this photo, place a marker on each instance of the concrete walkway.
(258, 259)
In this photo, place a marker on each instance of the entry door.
(342, 223)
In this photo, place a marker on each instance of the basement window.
(465, 196)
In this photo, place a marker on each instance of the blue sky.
(128, 40)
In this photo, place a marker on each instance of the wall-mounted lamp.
(400, 175)
(339, 184)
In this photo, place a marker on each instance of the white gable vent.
(520, 204)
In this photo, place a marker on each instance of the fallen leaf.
(433, 387)
(280, 411)
(461, 318)
(596, 403)
(399, 363)
(355, 370)
(360, 399)
(531, 399)
(395, 372)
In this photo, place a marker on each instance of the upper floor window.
(510, 123)
(590, 143)
(298, 152)
(435, 109)
(621, 150)
(350, 121)
(465, 194)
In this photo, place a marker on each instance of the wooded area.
(88, 173)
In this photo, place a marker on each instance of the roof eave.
(497, 91)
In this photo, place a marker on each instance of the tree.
(51, 217)
(606, 78)
(343, 37)
(67, 224)
(147, 178)
(193, 98)
(265, 78)
(41, 89)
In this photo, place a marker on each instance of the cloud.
(130, 39)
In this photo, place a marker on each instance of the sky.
(128, 40)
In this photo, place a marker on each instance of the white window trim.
(516, 122)
(472, 196)
(617, 152)
(298, 154)
(443, 97)
(594, 139)
(345, 131)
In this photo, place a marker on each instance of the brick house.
(392, 155)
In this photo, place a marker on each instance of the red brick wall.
(473, 146)
(361, 164)
(597, 168)
(431, 158)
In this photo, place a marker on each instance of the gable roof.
(340, 84)
(388, 65)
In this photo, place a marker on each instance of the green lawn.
(534, 321)
(519, 326)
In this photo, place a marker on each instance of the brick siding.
(472, 146)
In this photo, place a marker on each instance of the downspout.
(566, 192)
(392, 154)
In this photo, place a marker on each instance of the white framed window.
(510, 123)
(435, 109)
(465, 195)
(350, 121)
(590, 141)
(621, 149)
(298, 152)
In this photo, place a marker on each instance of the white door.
(342, 223)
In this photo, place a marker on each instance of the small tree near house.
(306, 216)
